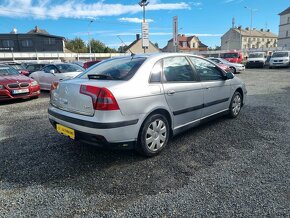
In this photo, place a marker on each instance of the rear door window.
(177, 69)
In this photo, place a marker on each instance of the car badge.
(66, 90)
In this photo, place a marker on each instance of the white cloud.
(77, 9)
(134, 20)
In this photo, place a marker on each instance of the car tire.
(233, 70)
(153, 136)
(235, 105)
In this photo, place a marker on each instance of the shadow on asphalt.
(40, 156)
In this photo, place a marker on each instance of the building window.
(184, 44)
(8, 43)
(193, 45)
(288, 19)
(49, 41)
(26, 43)
(287, 33)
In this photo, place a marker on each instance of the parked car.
(280, 59)
(91, 63)
(224, 67)
(19, 67)
(13, 85)
(141, 101)
(32, 67)
(55, 72)
(234, 57)
(236, 68)
(256, 59)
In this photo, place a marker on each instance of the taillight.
(102, 98)
(54, 86)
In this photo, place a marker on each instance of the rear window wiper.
(99, 76)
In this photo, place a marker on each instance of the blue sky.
(208, 19)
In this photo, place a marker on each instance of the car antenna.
(132, 54)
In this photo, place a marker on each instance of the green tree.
(76, 45)
(123, 49)
(156, 45)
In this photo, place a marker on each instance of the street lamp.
(143, 4)
(89, 38)
(251, 27)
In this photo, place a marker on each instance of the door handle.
(171, 92)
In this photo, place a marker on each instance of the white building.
(239, 38)
(284, 29)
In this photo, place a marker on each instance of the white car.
(235, 67)
(280, 59)
(55, 72)
(256, 59)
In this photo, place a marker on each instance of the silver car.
(55, 72)
(235, 67)
(141, 100)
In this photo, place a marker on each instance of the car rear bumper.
(91, 132)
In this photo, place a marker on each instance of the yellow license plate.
(65, 131)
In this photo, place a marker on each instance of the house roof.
(287, 11)
(38, 30)
(256, 33)
(137, 40)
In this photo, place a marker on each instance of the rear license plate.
(65, 131)
(20, 91)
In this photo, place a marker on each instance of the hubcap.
(156, 135)
(236, 107)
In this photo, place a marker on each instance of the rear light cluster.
(102, 98)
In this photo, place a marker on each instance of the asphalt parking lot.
(226, 168)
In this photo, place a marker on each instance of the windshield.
(66, 68)
(115, 69)
(256, 55)
(7, 71)
(35, 67)
(17, 66)
(280, 54)
(230, 55)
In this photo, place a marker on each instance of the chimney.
(247, 28)
(262, 30)
(137, 36)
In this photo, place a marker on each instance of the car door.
(182, 90)
(46, 78)
(216, 89)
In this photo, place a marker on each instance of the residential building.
(36, 40)
(284, 29)
(239, 38)
(186, 44)
(136, 47)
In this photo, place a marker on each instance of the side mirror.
(24, 72)
(229, 76)
(52, 72)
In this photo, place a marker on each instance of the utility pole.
(143, 4)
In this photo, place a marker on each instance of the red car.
(233, 56)
(13, 85)
(90, 63)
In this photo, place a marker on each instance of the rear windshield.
(230, 55)
(115, 69)
(6, 71)
(280, 54)
(256, 55)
